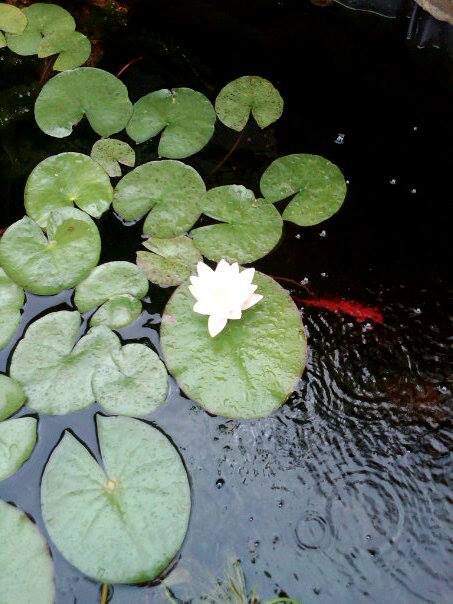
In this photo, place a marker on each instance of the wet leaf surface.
(118, 311)
(12, 299)
(17, 441)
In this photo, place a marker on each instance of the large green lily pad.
(17, 441)
(173, 192)
(125, 522)
(185, 117)
(317, 184)
(11, 301)
(12, 19)
(55, 368)
(64, 179)
(27, 569)
(73, 47)
(68, 96)
(251, 367)
(12, 396)
(110, 153)
(47, 265)
(248, 94)
(170, 261)
(250, 229)
(108, 280)
(117, 312)
(135, 382)
(42, 20)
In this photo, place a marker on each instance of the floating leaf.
(27, 569)
(108, 280)
(124, 523)
(109, 151)
(185, 116)
(251, 227)
(119, 311)
(47, 265)
(12, 19)
(135, 382)
(64, 179)
(68, 96)
(2, 40)
(17, 441)
(54, 368)
(43, 20)
(11, 301)
(319, 186)
(73, 47)
(173, 192)
(251, 367)
(249, 94)
(171, 262)
(12, 396)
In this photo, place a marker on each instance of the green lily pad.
(12, 396)
(64, 179)
(73, 47)
(108, 280)
(248, 94)
(173, 191)
(42, 20)
(2, 40)
(119, 311)
(251, 367)
(250, 229)
(170, 262)
(47, 265)
(317, 184)
(125, 522)
(135, 382)
(110, 153)
(27, 569)
(185, 117)
(17, 441)
(12, 19)
(68, 96)
(55, 368)
(11, 301)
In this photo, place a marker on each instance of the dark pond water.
(342, 496)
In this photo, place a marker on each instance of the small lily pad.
(248, 94)
(42, 20)
(55, 368)
(135, 382)
(12, 396)
(249, 230)
(119, 311)
(185, 117)
(11, 301)
(170, 261)
(251, 367)
(125, 522)
(17, 441)
(108, 280)
(317, 184)
(73, 47)
(47, 265)
(173, 191)
(64, 179)
(12, 19)
(27, 569)
(110, 153)
(68, 96)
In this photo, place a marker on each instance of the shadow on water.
(343, 495)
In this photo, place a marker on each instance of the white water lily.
(223, 293)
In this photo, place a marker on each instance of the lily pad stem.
(229, 154)
(104, 593)
(131, 62)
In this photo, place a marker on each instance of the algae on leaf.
(26, 575)
(251, 367)
(17, 441)
(136, 507)
(48, 264)
(248, 94)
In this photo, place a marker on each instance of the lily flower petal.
(254, 299)
(215, 325)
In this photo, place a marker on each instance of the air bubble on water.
(413, 191)
(305, 281)
(324, 275)
(340, 138)
(323, 234)
(219, 483)
(298, 235)
(392, 181)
